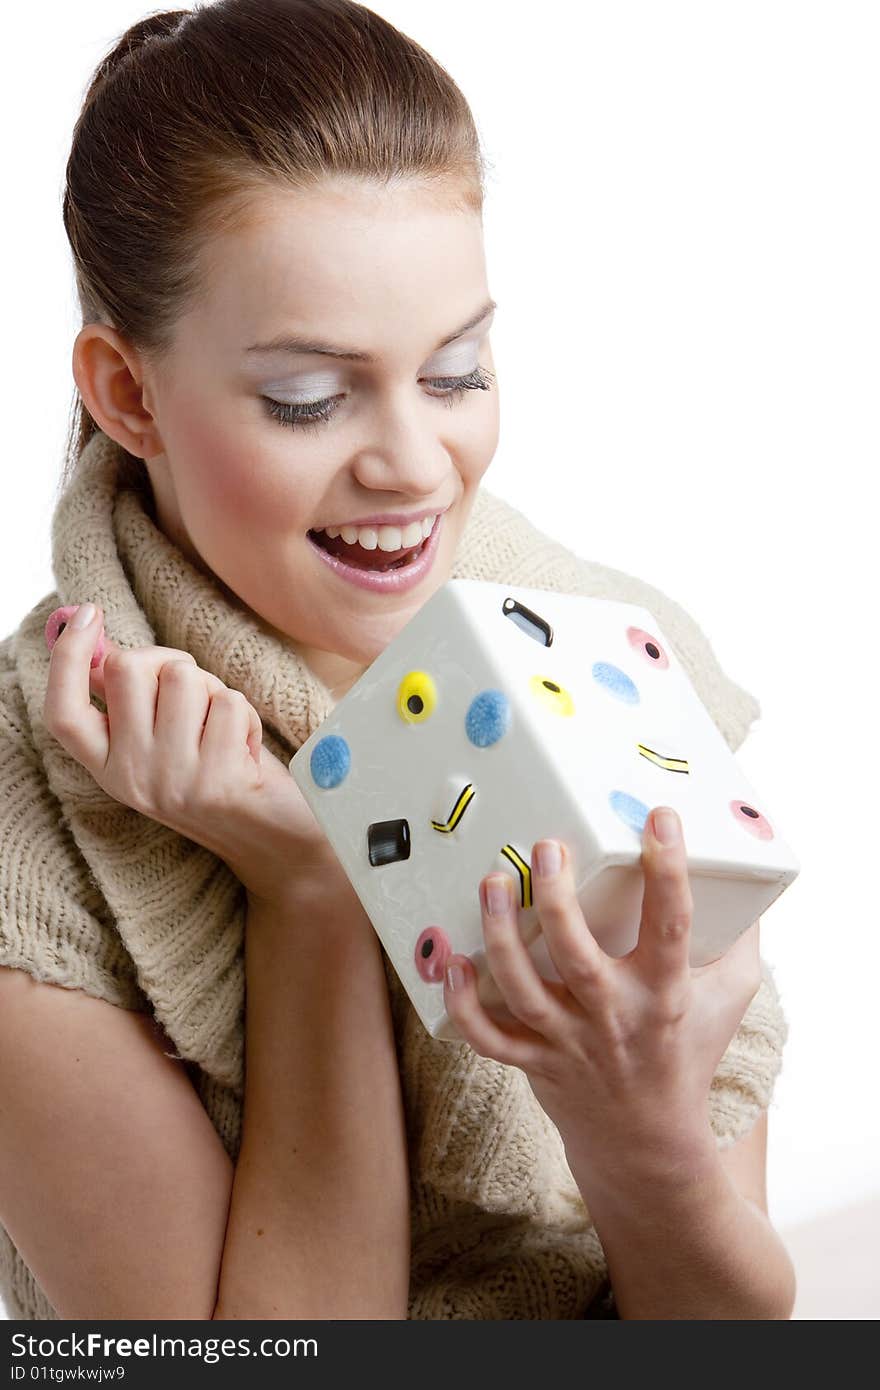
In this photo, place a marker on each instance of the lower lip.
(389, 581)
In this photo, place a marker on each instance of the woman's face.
(361, 270)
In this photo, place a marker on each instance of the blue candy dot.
(330, 761)
(616, 682)
(488, 718)
(632, 812)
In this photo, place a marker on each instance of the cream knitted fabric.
(94, 896)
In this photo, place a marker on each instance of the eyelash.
(314, 413)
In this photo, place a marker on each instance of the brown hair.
(194, 111)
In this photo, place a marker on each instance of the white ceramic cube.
(500, 716)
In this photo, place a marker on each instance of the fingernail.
(83, 615)
(548, 858)
(667, 829)
(454, 976)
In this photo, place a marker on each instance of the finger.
(68, 712)
(663, 946)
(129, 681)
(131, 692)
(575, 952)
(516, 1046)
(150, 657)
(232, 724)
(182, 704)
(525, 993)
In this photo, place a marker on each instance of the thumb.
(56, 624)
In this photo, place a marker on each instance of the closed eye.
(451, 388)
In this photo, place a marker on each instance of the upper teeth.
(384, 537)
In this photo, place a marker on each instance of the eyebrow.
(285, 343)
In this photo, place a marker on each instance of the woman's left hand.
(622, 1051)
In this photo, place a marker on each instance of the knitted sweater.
(96, 897)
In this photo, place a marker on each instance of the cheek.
(239, 479)
(484, 440)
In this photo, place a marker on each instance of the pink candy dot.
(751, 820)
(432, 952)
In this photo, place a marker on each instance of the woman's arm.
(319, 1217)
(318, 1221)
(689, 1245)
(621, 1052)
(114, 1184)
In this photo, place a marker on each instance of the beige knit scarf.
(499, 1228)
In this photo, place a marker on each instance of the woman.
(275, 212)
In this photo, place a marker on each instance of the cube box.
(503, 715)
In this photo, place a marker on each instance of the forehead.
(370, 268)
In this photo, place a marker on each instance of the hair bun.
(155, 26)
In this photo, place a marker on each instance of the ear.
(109, 373)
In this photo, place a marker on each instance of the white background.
(682, 233)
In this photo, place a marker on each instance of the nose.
(406, 454)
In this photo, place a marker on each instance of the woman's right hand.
(179, 746)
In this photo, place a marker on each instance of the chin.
(377, 637)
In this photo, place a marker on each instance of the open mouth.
(359, 558)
